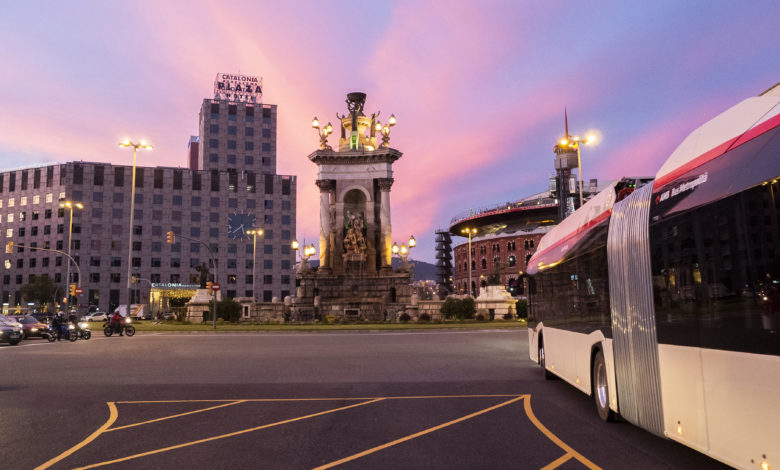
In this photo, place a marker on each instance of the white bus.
(660, 297)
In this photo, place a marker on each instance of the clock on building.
(238, 224)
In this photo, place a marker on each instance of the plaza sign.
(241, 88)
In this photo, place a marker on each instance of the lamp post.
(70, 205)
(254, 232)
(470, 232)
(403, 252)
(307, 252)
(324, 132)
(575, 142)
(125, 144)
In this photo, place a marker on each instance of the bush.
(229, 310)
(507, 316)
(424, 318)
(460, 309)
(404, 317)
(522, 308)
(480, 317)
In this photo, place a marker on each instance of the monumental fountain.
(355, 279)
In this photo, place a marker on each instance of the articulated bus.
(660, 297)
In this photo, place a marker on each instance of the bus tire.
(600, 385)
(547, 374)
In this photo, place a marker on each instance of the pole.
(470, 290)
(214, 314)
(579, 171)
(130, 241)
(254, 267)
(67, 277)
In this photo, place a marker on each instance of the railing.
(498, 208)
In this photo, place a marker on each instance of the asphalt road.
(425, 399)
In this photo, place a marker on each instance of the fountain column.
(326, 188)
(386, 234)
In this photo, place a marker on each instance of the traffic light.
(133, 279)
(208, 285)
(170, 237)
(9, 247)
(72, 289)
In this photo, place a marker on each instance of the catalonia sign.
(241, 88)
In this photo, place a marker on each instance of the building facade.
(510, 251)
(231, 188)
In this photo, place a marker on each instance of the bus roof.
(553, 246)
(733, 127)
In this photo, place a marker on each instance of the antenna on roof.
(566, 121)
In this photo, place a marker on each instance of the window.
(268, 204)
(231, 144)
(157, 199)
(136, 262)
(214, 180)
(231, 159)
(115, 278)
(213, 158)
(176, 200)
(268, 219)
(116, 262)
(214, 128)
(285, 220)
(119, 177)
(249, 146)
(249, 160)
(268, 279)
(177, 179)
(94, 277)
(232, 130)
(231, 263)
(213, 143)
(266, 161)
(195, 216)
(196, 181)
(268, 264)
(195, 232)
(249, 131)
(196, 201)
(119, 197)
(213, 232)
(250, 203)
(268, 249)
(194, 247)
(269, 184)
(266, 133)
(175, 262)
(266, 147)
(286, 205)
(214, 202)
(232, 248)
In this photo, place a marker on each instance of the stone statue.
(354, 238)
(203, 274)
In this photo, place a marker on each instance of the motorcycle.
(79, 330)
(50, 333)
(126, 327)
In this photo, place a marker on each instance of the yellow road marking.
(418, 434)
(223, 436)
(251, 400)
(112, 415)
(175, 416)
(558, 462)
(569, 451)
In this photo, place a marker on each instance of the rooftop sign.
(241, 88)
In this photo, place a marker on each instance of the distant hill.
(422, 271)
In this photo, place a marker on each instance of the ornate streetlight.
(470, 232)
(324, 133)
(143, 145)
(307, 252)
(403, 252)
(254, 233)
(70, 205)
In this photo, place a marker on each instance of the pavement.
(422, 399)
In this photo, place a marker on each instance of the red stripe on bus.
(582, 228)
(716, 152)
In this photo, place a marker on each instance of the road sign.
(78, 291)
(214, 286)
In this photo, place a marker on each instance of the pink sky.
(479, 88)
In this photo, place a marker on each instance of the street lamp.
(575, 142)
(254, 232)
(324, 133)
(307, 252)
(403, 252)
(143, 145)
(470, 232)
(70, 205)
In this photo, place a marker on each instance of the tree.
(41, 290)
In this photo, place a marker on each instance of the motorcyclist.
(117, 321)
(56, 325)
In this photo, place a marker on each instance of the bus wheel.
(601, 388)
(547, 374)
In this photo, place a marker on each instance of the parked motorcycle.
(126, 328)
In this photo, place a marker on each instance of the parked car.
(31, 326)
(97, 316)
(41, 317)
(10, 330)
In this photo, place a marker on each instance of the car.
(10, 330)
(31, 326)
(97, 316)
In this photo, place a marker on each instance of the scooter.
(79, 330)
